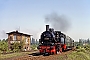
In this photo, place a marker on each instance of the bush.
(17, 47)
(81, 50)
(78, 47)
(0, 51)
(87, 47)
(34, 46)
(3, 46)
(84, 49)
(16, 50)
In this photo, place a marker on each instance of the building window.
(14, 37)
(26, 40)
(10, 38)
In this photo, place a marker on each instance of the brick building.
(16, 36)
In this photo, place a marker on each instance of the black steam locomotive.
(53, 42)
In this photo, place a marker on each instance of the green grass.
(79, 54)
(75, 56)
(4, 56)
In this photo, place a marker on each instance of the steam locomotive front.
(47, 42)
(47, 37)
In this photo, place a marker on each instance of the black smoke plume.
(58, 22)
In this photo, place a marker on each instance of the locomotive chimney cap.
(47, 27)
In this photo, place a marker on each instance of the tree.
(6, 40)
(18, 46)
(3, 40)
(15, 47)
(21, 45)
(3, 46)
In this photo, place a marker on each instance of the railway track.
(40, 57)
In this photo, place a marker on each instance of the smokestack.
(47, 27)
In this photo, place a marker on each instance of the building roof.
(18, 33)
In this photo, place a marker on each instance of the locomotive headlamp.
(42, 42)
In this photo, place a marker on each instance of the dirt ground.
(50, 57)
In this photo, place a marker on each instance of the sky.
(28, 16)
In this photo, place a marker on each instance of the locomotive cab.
(60, 38)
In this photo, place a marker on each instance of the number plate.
(46, 38)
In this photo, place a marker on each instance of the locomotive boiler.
(53, 42)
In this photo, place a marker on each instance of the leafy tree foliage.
(3, 46)
(17, 46)
(34, 46)
(21, 45)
